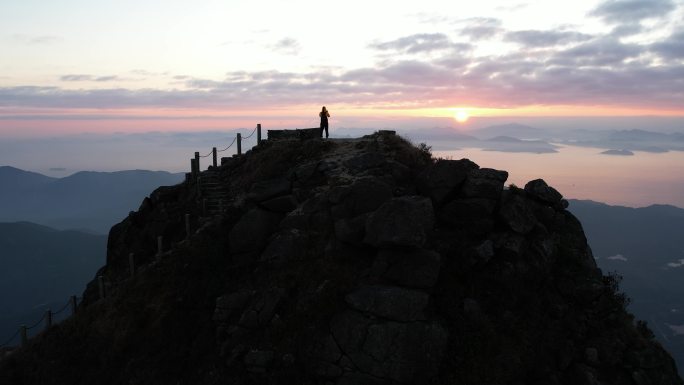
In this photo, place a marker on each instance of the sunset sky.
(79, 66)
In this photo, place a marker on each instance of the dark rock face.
(403, 221)
(484, 183)
(402, 352)
(439, 180)
(538, 189)
(389, 302)
(410, 268)
(350, 262)
(252, 231)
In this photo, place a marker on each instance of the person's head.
(324, 110)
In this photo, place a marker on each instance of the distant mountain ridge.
(40, 266)
(23, 179)
(519, 131)
(646, 247)
(85, 200)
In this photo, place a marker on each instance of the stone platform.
(296, 134)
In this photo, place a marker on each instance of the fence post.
(24, 335)
(187, 226)
(100, 285)
(193, 168)
(73, 304)
(131, 263)
(199, 186)
(258, 134)
(48, 319)
(160, 244)
(213, 152)
(239, 143)
(197, 161)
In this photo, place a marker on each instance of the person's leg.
(321, 133)
(326, 130)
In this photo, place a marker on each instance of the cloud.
(536, 38)
(617, 257)
(421, 70)
(629, 11)
(287, 46)
(421, 43)
(88, 78)
(625, 30)
(606, 51)
(36, 39)
(672, 48)
(479, 28)
(676, 329)
(75, 78)
(513, 7)
(679, 263)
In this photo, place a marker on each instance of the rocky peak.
(360, 261)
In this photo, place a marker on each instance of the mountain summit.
(359, 261)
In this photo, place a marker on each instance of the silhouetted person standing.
(324, 114)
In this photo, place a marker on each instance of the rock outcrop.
(351, 262)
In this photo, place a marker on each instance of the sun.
(461, 115)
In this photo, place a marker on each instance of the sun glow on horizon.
(461, 115)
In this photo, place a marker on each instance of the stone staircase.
(213, 195)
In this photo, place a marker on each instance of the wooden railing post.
(258, 134)
(48, 319)
(197, 161)
(24, 335)
(239, 143)
(194, 169)
(187, 226)
(213, 152)
(131, 263)
(73, 304)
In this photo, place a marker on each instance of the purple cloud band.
(433, 70)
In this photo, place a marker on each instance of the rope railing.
(66, 305)
(250, 135)
(37, 323)
(231, 143)
(195, 162)
(48, 314)
(11, 339)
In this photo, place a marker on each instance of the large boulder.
(280, 204)
(518, 213)
(403, 221)
(539, 190)
(412, 268)
(390, 302)
(440, 180)
(365, 161)
(408, 352)
(473, 215)
(351, 230)
(484, 183)
(364, 195)
(250, 233)
(266, 189)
